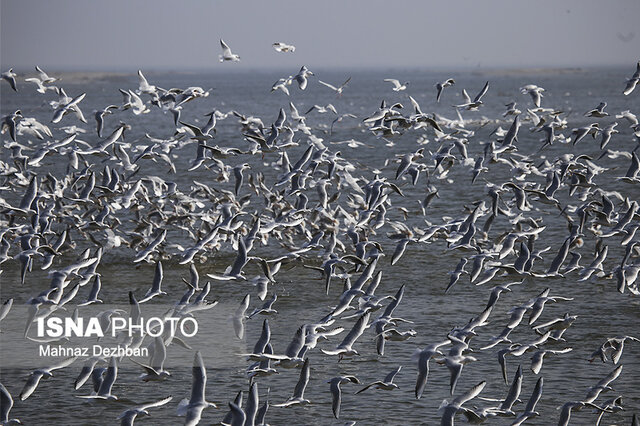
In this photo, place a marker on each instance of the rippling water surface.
(602, 311)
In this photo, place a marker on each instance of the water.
(602, 311)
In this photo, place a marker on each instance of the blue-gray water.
(602, 311)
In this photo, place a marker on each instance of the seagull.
(10, 77)
(72, 105)
(322, 109)
(239, 316)
(386, 384)
(336, 393)
(238, 416)
(441, 86)
(99, 116)
(282, 84)
(301, 77)
(338, 89)
(6, 403)
(631, 83)
(473, 106)
(41, 88)
(155, 370)
(155, 289)
(192, 407)
(45, 372)
(105, 384)
(598, 111)
(529, 410)
(128, 417)
(449, 409)
(283, 47)
(5, 308)
(227, 55)
(144, 86)
(345, 348)
(397, 86)
(142, 255)
(537, 358)
(423, 357)
(298, 392)
(266, 309)
(602, 385)
(10, 123)
(534, 91)
(607, 132)
(579, 133)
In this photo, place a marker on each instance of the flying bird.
(227, 55)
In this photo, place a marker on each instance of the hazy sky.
(183, 35)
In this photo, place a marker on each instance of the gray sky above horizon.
(123, 35)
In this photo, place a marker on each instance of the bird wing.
(396, 83)
(199, 379)
(330, 86)
(6, 402)
(482, 92)
(305, 373)
(389, 378)
(470, 394)
(356, 331)
(225, 48)
(535, 397)
(31, 385)
(109, 378)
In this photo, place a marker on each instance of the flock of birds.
(320, 212)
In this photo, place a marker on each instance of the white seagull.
(192, 407)
(227, 55)
(397, 86)
(283, 47)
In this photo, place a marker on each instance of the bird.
(282, 84)
(106, 379)
(10, 123)
(40, 373)
(598, 111)
(239, 316)
(397, 86)
(580, 132)
(441, 86)
(338, 89)
(530, 409)
(155, 370)
(99, 116)
(538, 356)
(423, 356)
(534, 91)
(192, 407)
(602, 385)
(468, 104)
(302, 77)
(631, 83)
(298, 392)
(6, 403)
(144, 86)
(128, 417)
(385, 384)
(450, 409)
(336, 393)
(72, 105)
(345, 348)
(227, 55)
(10, 77)
(155, 289)
(283, 47)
